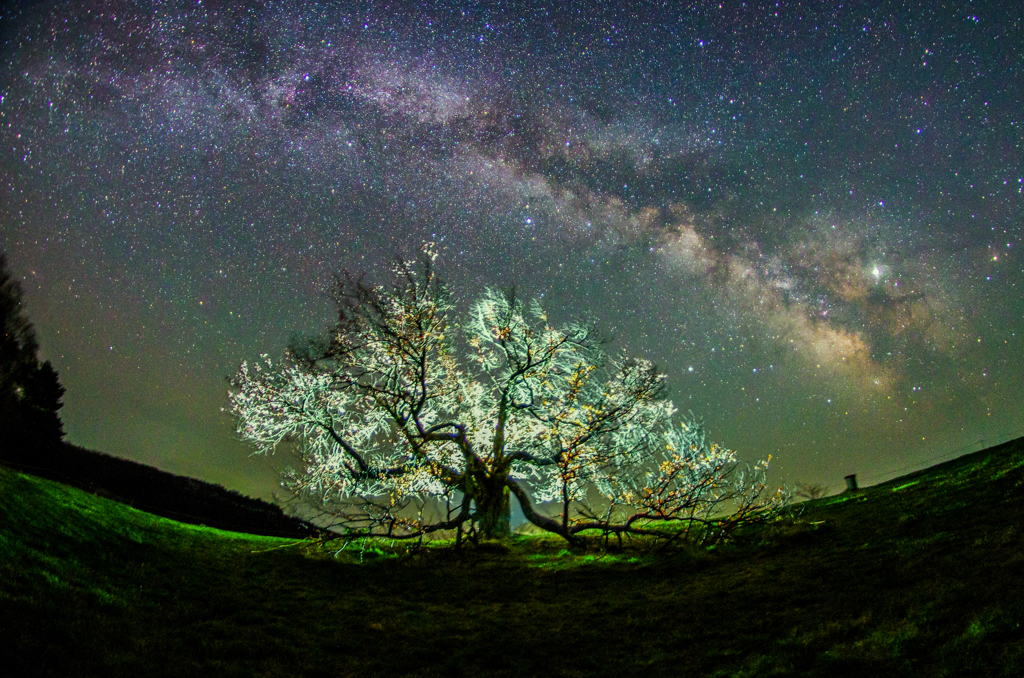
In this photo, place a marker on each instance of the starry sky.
(810, 215)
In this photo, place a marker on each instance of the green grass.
(923, 575)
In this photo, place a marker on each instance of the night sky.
(810, 216)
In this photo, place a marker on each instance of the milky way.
(811, 218)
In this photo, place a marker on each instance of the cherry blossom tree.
(407, 423)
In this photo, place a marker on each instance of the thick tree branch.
(537, 519)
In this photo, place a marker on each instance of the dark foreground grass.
(920, 576)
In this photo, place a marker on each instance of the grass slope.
(179, 497)
(918, 576)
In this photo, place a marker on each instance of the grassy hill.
(921, 576)
(166, 494)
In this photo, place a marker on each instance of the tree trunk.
(494, 511)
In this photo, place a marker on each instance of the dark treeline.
(30, 392)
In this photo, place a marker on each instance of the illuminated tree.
(407, 423)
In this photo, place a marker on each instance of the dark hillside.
(920, 576)
(165, 494)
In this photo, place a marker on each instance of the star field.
(809, 215)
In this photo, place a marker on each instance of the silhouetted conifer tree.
(30, 392)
